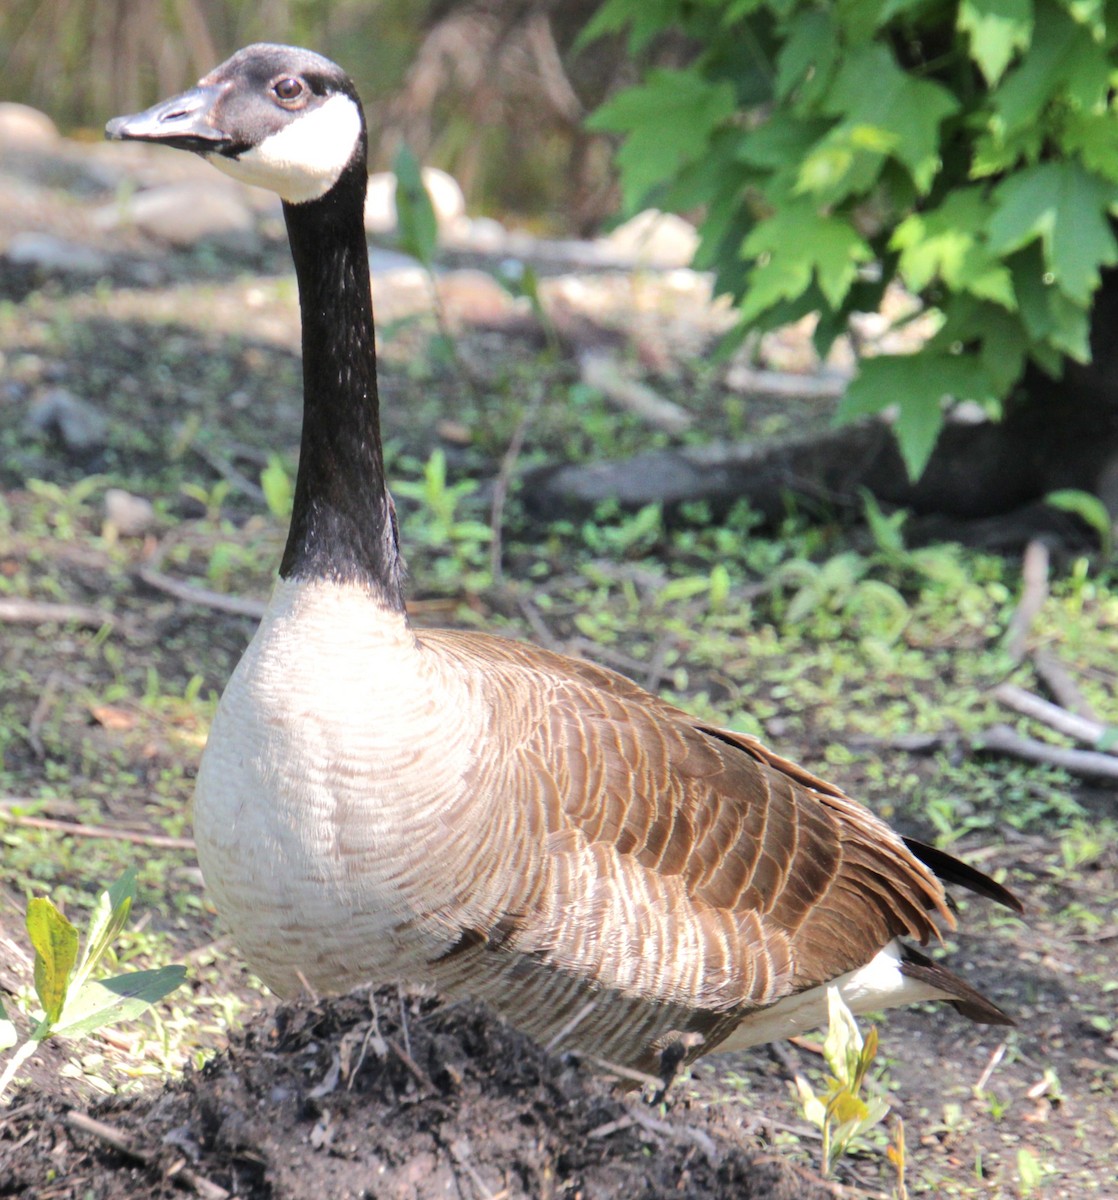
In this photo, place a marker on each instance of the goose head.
(277, 117)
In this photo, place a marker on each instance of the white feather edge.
(879, 984)
(304, 160)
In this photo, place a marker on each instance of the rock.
(380, 201)
(54, 255)
(79, 426)
(25, 128)
(387, 262)
(185, 214)
(129, 515)
(653, 239)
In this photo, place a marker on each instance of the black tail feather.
(953, 870)
(969, 1002)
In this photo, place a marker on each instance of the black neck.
(343, 525)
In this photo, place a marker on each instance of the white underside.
(879, 984)
(303, 160)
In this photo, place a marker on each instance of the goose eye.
(288, 90)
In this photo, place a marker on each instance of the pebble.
(77, 423)
(129, 515)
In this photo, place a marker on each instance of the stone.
(80, 427)
(55, 255)
(185, 214)
(380, 201)
(653, 239)
(129, 515)
(25, 128)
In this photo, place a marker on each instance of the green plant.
(438, 525)
(278, 487)
(840, 1112)
(1090, 510)
(980, 170)
(72, 1003)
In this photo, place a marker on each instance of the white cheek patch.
(303, 160)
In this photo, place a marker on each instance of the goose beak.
(184, 122)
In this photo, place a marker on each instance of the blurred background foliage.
(472, 85)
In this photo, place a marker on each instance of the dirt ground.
(328, 1100)
(380, 1097)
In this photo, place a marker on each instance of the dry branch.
(137, 837)
(1000, 739)
(1057, 678)
(17, 611)
(123, 1144)
(1092, 733)
(189, 593)
(1034, 579)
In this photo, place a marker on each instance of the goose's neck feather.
(343, 524)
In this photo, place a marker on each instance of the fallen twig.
(189, 593)
(602, 371)
(1000, 739)
(14, 610)
(641, 1077)
(412, 1066)
(108, 1134)
(1057, 678)
(225, 468)
(683, 1133)
(137, 837)
(1092, 733)
(123, 1144)
(1034, 592)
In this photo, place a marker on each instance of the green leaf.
(949, 243)
(1089, 509)
(1063, 59)
(1068, 209)
(808, 56)
(886, 531)
(1094, 137)
(109, 916)
(668, 121)
(56, 951)
(908, 111)
(997, 29)
(795, 245)
(645, 19)
(1055, 324)
(121, 998)
(813, 1108)
(417, 229)
(277, 486)
(919, 384)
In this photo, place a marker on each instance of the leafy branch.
(979, 169)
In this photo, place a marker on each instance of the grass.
(829, 642)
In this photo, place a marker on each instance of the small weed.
(840, 1112)
(460, 561)
(72, 1003)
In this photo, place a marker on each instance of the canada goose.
(458, 810)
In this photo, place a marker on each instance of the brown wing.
(668, 859)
